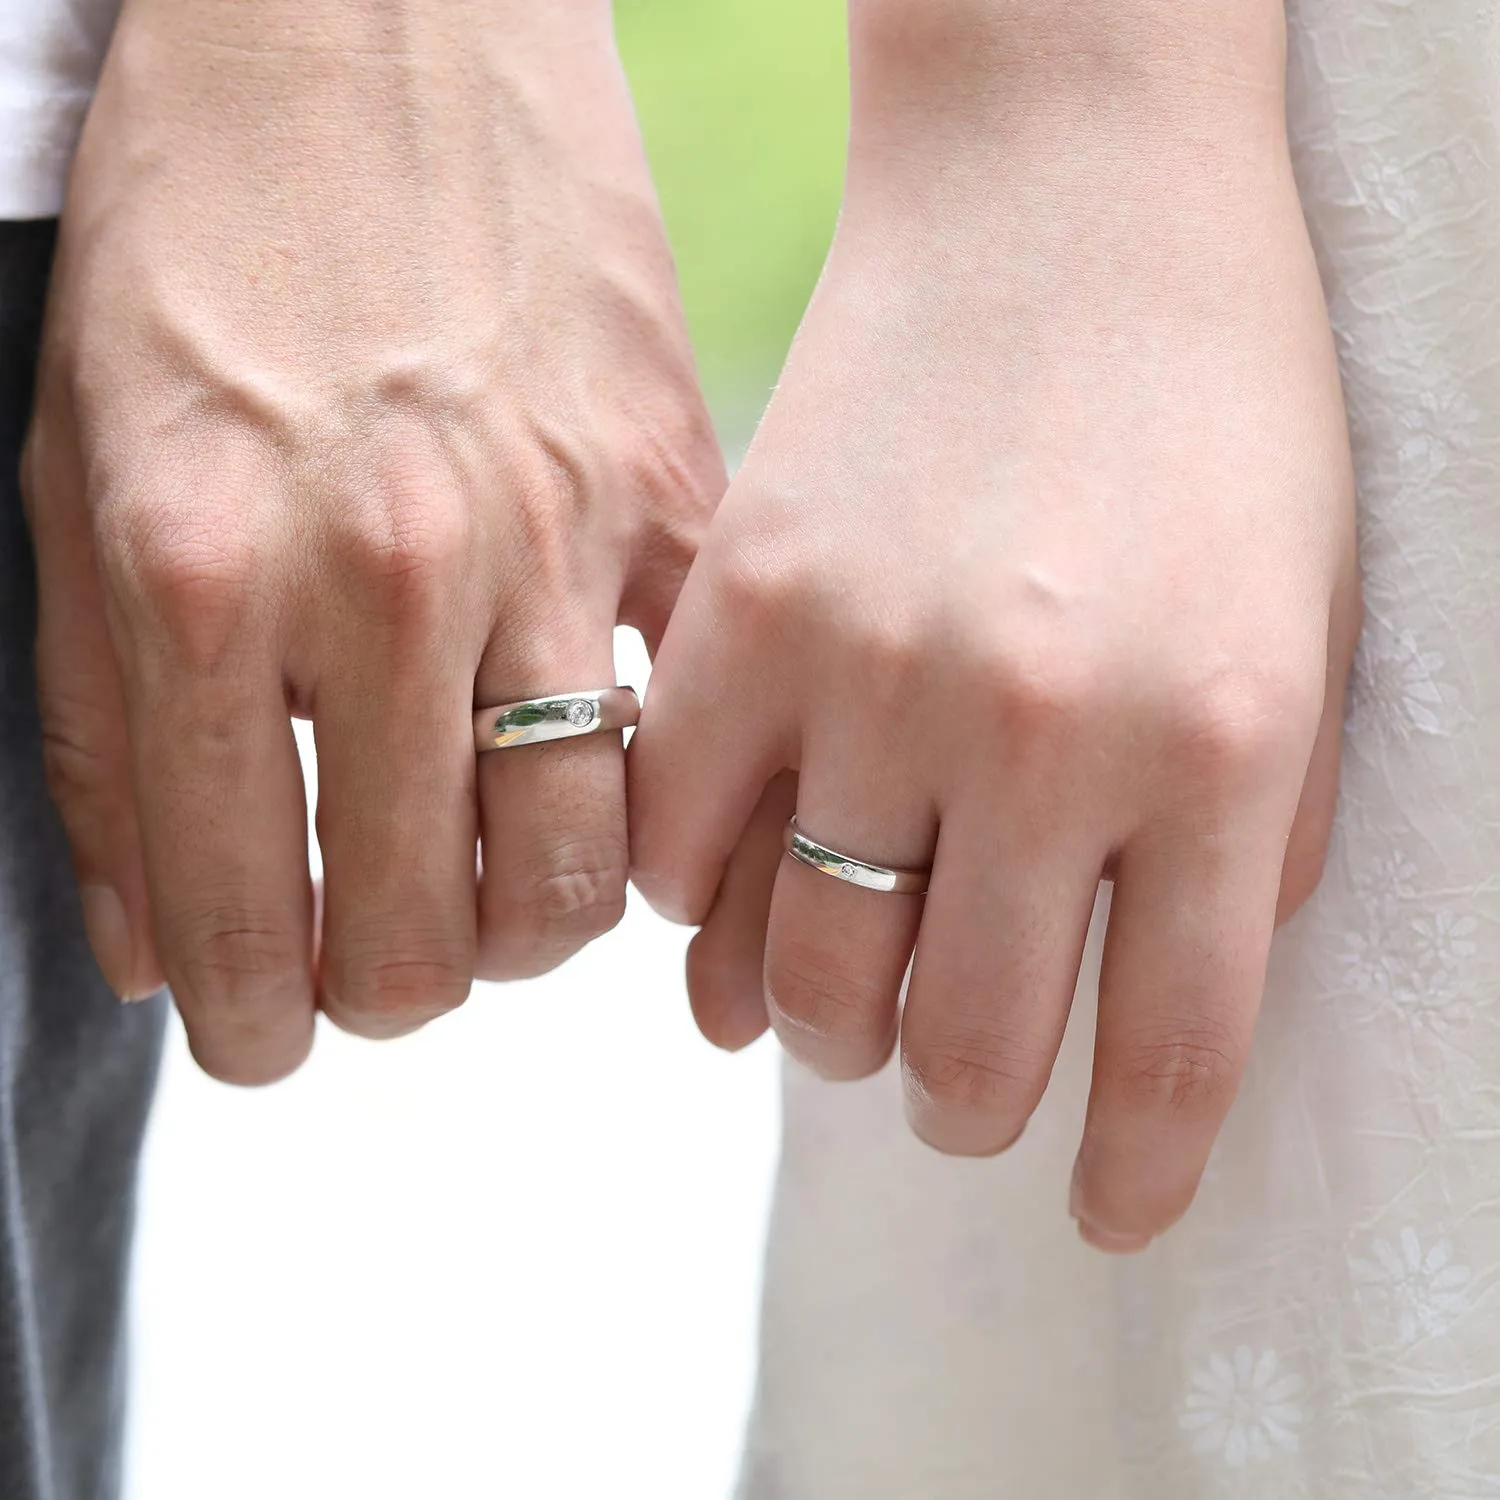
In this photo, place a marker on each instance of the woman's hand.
(366, 395)
(1041, 567)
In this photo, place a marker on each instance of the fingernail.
(109, 936)
(1109, 1241)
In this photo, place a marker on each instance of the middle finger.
(396, 812)
(836, 953)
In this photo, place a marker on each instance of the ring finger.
(836, 953)
(552, 815)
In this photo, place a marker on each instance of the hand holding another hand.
(1041, 568)
(366, 396)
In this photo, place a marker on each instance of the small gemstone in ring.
(847, 871)
(580, 713)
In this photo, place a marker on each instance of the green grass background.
(744, 105)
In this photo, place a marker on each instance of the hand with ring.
(1040, 570)
(365, 396)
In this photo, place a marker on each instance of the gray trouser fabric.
(76, 1067)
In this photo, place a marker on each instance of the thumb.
(85, 750)
(1307, 846)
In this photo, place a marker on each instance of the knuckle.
(1243, 728)
(757, 586)
(816, 991)
(586, 900)
(200, 585)
(1040, 696)
(557, 906)
(396, 981)
(77, 766)
(398, 993)
(406, 550)
(238, 961)
(1191, 1072)
(967, 1070)
(228, 947)
(895, 662)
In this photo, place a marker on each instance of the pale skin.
(1041, 568)
(366, 396)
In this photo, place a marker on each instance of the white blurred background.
(517, 1254)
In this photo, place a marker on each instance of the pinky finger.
(1184, 966)
(726, 961)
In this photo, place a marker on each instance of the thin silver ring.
(563, 716)
(853, 871)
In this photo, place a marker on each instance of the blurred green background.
(744, 105)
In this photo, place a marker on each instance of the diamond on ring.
(534, 721)
(848, 867)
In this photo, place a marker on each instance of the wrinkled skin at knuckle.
(392, 993)
(80, 752)
(404, 551)
(974, 1078)
(192, 584)
(813, 992)
(1190, 1073)
(228, 957)
(1244, 728)
(761, 591)
(565, 897)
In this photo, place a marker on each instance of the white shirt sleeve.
(50, 54)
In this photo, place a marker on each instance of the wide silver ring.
(562, 716)
(855, 871)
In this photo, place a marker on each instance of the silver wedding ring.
(561, 717)
(855, 871)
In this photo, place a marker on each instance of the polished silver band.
(854, 871)
(561, 717)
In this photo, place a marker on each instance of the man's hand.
(1041, 567)
(365, 395)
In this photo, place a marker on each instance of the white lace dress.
(1325, 1324)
